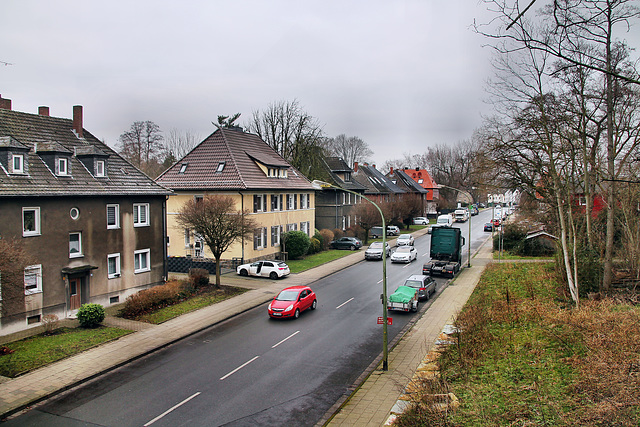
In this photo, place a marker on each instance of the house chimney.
(5, 104)
(77, 120)
(355, 166)
(43, 111)
(391, 170)
(374, 165)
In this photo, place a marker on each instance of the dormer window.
(100, 168)
(183, 168)
(17, 161)
(63, 167)
(220, 167)
(347, 176)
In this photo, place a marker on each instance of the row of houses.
(97, 229)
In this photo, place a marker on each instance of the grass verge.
(527, 356)
(32, 353)
(212, 296)
(311, 261)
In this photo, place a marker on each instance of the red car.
(496, 222)
(292, 301)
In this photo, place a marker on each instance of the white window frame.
(35, 232)
(63, 166)
(276, 231)
(137, 217)
(304, 201)
(305, 226)
(78, 254)
(29, 271)
(116, 273)
(292, 227)
(137, 258)
(100, 168)
(260, 238)
(20, 158)
(187, 238)
(116, 208)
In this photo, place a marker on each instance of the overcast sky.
(401, 75)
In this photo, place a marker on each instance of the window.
(276, 202)
(75, 245)
(18, 163)
(420, 181)
(63, 167)
(99, 167)
(113, 266)
(74, 213)
(292, 227)
(30, 222)
(276, 230)
(347, 176)
(183, 168)
(113, 216)
(259, 203)
(141, 261)
(260, 238)
(187, 238)
(141, 214)
(583, 201)
(198, 199)
(292, 201)
(304, 226)
(304, 201)
(220, 167)
(33, 279)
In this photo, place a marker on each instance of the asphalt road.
(252, 370)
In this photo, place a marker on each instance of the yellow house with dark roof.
(241, 165)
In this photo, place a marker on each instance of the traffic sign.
(381, 321)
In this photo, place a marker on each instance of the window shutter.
(255, 203)
(264, 204)
(295, 201)
(136, 218)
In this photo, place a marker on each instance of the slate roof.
(375, 181)
(52, 134)
(405, 181)
(241, 153)
(336, 165)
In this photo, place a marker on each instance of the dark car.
(350, 243)
(426, 285)
(488, 226)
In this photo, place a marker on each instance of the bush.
(154, 298)
(90, 315)
(50, 323)
(296, 243)
(337, 233)
(315, 246)
(327, 237)
(198, 277)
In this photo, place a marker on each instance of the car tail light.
(423, 289)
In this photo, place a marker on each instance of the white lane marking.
(346, 302)
(238, 368)
(379, 281)
(171, 409)
(296, 332)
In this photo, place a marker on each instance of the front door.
(74, 293)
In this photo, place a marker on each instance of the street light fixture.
(470, 201)
(385, 342)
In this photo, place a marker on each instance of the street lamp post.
(385, 341)
(470, 201)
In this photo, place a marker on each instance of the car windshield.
(375, 245)
(443, 220)
(413, 283)
(404, 249)
(282, 264)
(287, 296)
(405, 237)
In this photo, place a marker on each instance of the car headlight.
(270, 305)
(289, 308)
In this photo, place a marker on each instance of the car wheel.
(416, 307)
(244, 272)
(314, 305)
(273, 275)
(352, 247)
(296, 314)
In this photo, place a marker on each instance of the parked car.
(405, 239)
(271, 269)
(473, 210)
(392, 230)
(351, 243)
(420, 220)
(488, 226)
(376, 232)
(374, 251)
(426, 285)
(495, 222)
(292, 301)
(404, 254)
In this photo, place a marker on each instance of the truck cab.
(461, 215)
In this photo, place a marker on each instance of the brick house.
(241, 165)
(93, 223)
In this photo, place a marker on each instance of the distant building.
(93, 223)
(240, 165)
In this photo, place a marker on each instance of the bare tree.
(141, 144)
(292, 133)
(13, 262)
(368, 217)
(216, 220)
(350, 148)
(179, 143)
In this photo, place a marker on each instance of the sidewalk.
(362, 409)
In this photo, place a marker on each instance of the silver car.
(374, 251)
(404, 254)
(405, 240)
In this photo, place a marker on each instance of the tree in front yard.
(217, 221)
